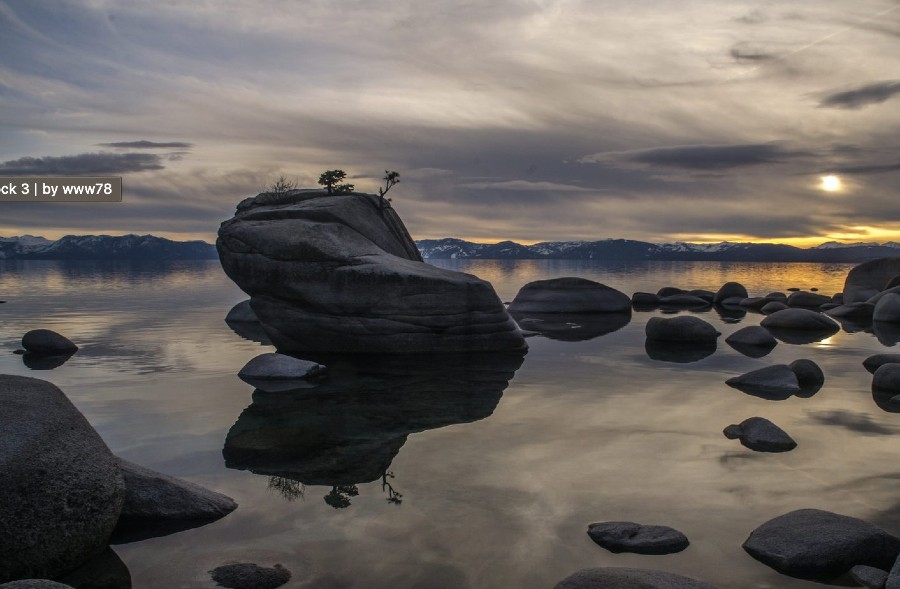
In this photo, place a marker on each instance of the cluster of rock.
(65, 496)
(340, 274)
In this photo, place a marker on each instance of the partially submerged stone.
(628, 578)
(777, 380)
(621, 536)
(887, 378)
(250, 576)
(681, 329)
(803, 298)
(274, 366)
(730, 292)
(809, 375)
(875, 361)
(46, 341)
(761, 435)
(569, 295)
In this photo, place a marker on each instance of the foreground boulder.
(809, 375)
(637, 538)
(628, 578)
(869, 278)
(340, 273)
(681, 329)
(569, 295)
(158, 504)
(62, 490)
(45, 341)
(868, 576)
(810, 543)
(761, 435)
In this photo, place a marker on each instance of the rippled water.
(457, 472)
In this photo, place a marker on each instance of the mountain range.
(150, 247)
(104, 247)
(630, 250)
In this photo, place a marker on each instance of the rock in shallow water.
(280, 367)
(45, 341)
(628, 578)
(250, 576)
(869, 278)
(811, 543)
(62, 490)
(887, 309)
(887, 379)
(875, 361)
(761, 435)
(801, 320)
(681, 329)
(569, 295)
(809, 375)
(637, 538)
(777, 379)
(337, 273)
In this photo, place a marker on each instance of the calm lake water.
(463, 473)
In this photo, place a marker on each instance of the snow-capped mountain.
(626, 249)
(103, 247)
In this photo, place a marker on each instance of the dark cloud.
(83, 164)
(144, 144)
(702, 157)
(874, 93)
(869, 169)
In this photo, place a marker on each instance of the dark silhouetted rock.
(280, 367)
(637, 538)
(838, 298)
(45, 341)
(887, 378)
(250, 576)
(810, 543)
(807, 299)
(241, 313)
(778, 379)
(773, 307)
(706, 295)
(683, 301)
(627, 578)
(681, 329)
(809, 375)
(852, 311)
(869, 278)
(569, 295)
(828, 306)
(338, 273)
(731, 290)
(644, 300)
(62, 490)
(668, 291)
(752, 335)
(874, 299)
(677, 352)
(572, 327)
(34, 584)
(869, 576)
(800, 320)
(157, 504)
(888, 309)
(106, 571)
(874, 362)
(761, 435)
(887, 333)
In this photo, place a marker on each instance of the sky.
(529, 120)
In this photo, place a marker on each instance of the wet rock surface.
(620, 536)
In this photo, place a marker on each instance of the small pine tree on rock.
(331, 180)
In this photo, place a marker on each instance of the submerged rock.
(644, 300)
(569, 295)
(637, 538)
(62, 490)
(810, 543)
(628, 578)
(761, 435)
(668, 291)
(683, 301)
(681, 329)
(801, 320)
(677, 352)
(250, 576)
(339, 273)
(869, 278)
(45, 341)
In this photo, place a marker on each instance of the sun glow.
(830, 183)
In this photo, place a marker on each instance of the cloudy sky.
(530, 120)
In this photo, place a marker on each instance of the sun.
(830, 183)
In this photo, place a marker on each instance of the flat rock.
(874, 362)
(62, 489)
(869, 278)
(887, 378)
(869, 576)
(730, 290)
(811, 543)
(681, 329)
(803, 298)
(778, 378)
(274, 366)
(340, 273)
(888, 309)
(45, 341)
(809, 375)
(637, 538)
(241, 313)
(772, 307)
(250, 576)
(569, 295)
(862, 310)
(761, 435)
(628, 578)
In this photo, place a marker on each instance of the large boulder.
(810, 543)
(681, 329)
(628, 578)
(869, 278)
(569, 295)
(62, 490)
(340, 273)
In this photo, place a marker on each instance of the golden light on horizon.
(830, 183)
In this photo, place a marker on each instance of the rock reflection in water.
(348, 430)
(572, 327)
